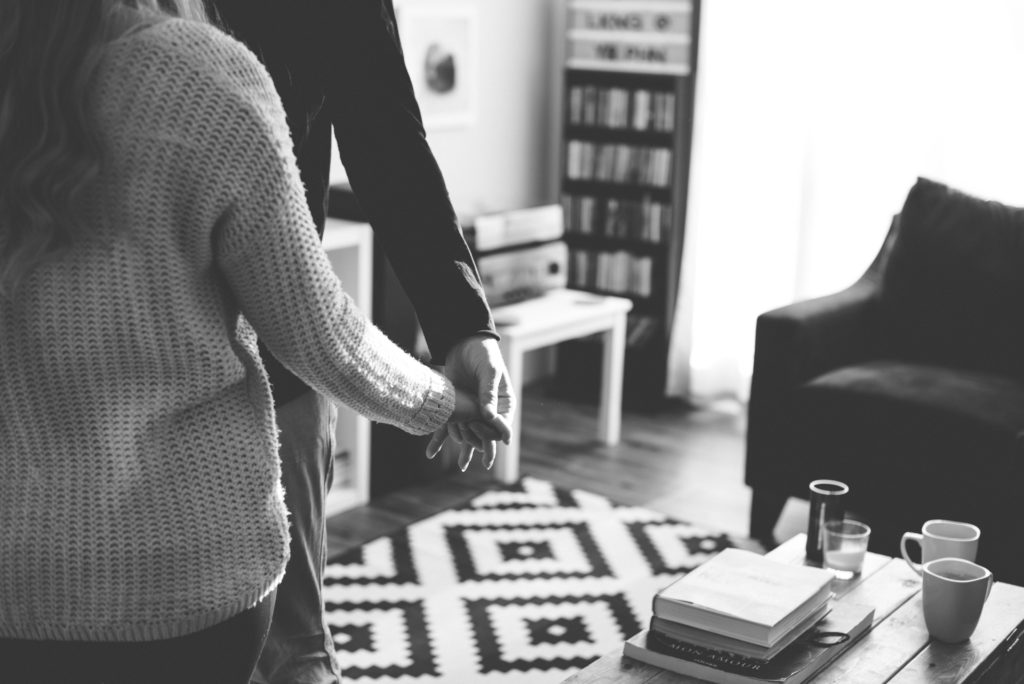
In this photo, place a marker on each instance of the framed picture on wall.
(440, 45)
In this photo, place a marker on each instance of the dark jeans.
(223, 654)
(300, 649)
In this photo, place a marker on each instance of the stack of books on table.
(742, 617)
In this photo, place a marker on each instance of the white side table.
(557, 316)
(349, 246)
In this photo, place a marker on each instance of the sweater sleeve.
(269, 252)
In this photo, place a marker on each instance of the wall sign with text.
(651, 36)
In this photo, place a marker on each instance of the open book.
(744, 595)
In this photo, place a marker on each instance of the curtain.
(812, 121)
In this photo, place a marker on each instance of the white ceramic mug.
(954, 592)
(942, 539)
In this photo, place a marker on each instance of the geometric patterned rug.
(526, 583)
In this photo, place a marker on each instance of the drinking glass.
(845, 544)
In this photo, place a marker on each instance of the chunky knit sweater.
(139, 477)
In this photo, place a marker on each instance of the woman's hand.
(471, 430)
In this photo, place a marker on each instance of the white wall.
(499, 161)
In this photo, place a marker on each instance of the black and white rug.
(523, 584)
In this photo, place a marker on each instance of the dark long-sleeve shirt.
(339, 64)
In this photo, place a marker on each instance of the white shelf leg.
(610, 416)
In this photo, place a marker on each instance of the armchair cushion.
(916, 423)
(953, 290)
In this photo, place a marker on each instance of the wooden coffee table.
(897, 648)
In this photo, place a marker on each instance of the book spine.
(718, 659)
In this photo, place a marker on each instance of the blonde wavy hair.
(49, 150)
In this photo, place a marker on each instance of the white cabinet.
(349, 246)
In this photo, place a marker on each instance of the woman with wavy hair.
(152, 222)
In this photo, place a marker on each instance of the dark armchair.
(908, 385)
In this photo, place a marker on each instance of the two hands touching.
(484, 404)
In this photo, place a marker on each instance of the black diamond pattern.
(468, 570)
(352, 637)
(526, 580)
(517, 551)
(563, 630)
(699, 547)
(416, 655)
(491, 652)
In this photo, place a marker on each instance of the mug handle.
(911, 536)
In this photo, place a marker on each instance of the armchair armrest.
(793, 344)
(810, 337)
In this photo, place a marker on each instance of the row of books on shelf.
(742, 618)
(611, 217)
(618, 163)
(618, 272)
(639, 109)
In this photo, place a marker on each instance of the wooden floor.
(684, 462)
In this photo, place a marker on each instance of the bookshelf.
(623, 104)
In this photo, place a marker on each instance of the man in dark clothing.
(339, 64)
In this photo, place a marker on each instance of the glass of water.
(845, 545)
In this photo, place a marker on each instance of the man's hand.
(475, 365)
